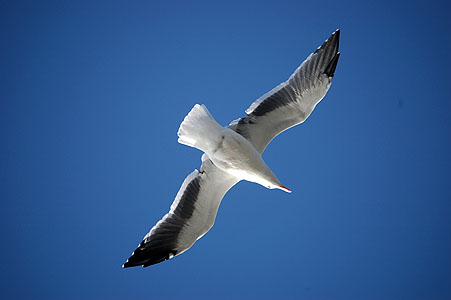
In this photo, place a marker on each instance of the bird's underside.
(194, 209)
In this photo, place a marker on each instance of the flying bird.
(234, 153)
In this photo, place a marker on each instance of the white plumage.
(233, 153)
(228, 150)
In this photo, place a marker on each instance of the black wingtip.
(127, 264)
(147, 257)
(331, 43)
(330, 69)
(337, 35)
(335, 38)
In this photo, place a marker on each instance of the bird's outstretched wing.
(292, 101)
(192, 214)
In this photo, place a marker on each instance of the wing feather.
(191, 215)
(291, 102)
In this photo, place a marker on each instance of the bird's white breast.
(235, 155)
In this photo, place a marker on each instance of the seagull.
(234, 153)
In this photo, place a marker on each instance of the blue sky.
(92, 94)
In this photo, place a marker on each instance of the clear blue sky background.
(92, 94)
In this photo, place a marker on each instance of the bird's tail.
(199, 129)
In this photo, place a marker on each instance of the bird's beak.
(283, 188)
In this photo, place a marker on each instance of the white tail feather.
(199, 129)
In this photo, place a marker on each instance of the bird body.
(234, 153)
(228, 150)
